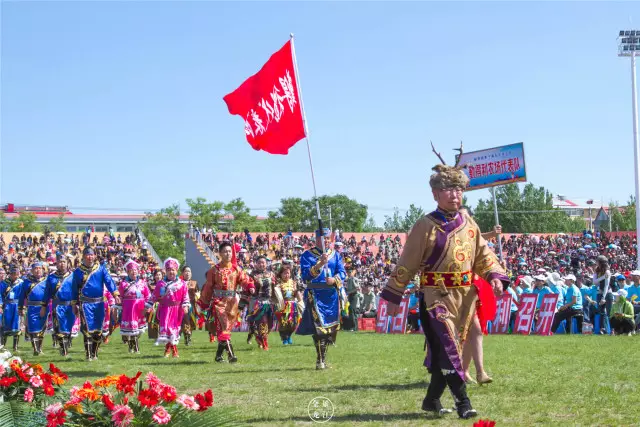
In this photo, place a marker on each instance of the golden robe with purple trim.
(446, 252)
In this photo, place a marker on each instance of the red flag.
(234, 250)
(268, 102)
(486, 304)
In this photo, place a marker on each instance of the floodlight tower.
(629, 45)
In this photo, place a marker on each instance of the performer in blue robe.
(65, 297)
(324, 296)
(90, 279)
(11, 293)
(36, 297)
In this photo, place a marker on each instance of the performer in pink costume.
(134, 293)
(172, 296)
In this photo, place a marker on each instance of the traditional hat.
(131, 265)
(448, 177)
(171, 263)
(88, 250)
(37, 264)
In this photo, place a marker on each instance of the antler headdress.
(449, 176)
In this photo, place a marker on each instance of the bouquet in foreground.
(126, 401)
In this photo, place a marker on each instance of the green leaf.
(19, 414)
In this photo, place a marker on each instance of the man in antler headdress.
(446, 249)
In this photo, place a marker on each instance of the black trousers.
(567, 314)
(621, 325)
(412, 320)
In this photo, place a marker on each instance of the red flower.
(148, 398)
(56, 419)
(7, 381)
(46, 378)
(168, 394)
(48, 390)
(484, 423)
(126, 384)
(204, 401)
(53, 369)
(22, 376)
(108, 403)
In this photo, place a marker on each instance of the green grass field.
(379, 379)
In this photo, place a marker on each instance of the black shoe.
(466, 412)
(232, 356)
(435, 407)
(219, 357)
(471, 413)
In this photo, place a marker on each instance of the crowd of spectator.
(593, 274)
(112, 249)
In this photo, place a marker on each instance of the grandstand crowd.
(111, 248)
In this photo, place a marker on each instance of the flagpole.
(306, 133)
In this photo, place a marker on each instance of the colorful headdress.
(448, 176)
(14, 268)
(132, 265)
(171, 263)
(37, 264)
(88, 250)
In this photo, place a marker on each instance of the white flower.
(5, 355)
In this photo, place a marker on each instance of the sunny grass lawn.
(379, 380)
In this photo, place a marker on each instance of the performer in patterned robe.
(325, 298)
(189, 320)
(11, 295)
(92, 280)
(260, 318)
(64, 304)
(218, 296)
(289, 310)
(135, 293)
(446, 248)
(172, 297)
(36, 297)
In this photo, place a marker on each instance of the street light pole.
(630, 46)
(330, 222)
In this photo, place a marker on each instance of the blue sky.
(137, 87)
